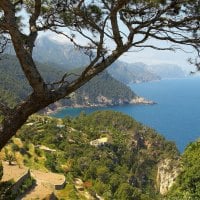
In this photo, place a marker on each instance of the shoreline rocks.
(138, 100)
(142, 100)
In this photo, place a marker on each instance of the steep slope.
(13, 84)
(102, 90)
(63, 55)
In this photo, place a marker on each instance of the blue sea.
(176, 114)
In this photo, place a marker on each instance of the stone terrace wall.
(20, 181)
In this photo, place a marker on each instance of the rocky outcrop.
(102, 101)
(99, 142)
(167, 172)
(141, 100)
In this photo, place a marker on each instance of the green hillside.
(13, 84)
(114, 156)
(109, 154)
(103, 89)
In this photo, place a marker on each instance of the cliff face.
(167, 165)
(167, 172)
(99, 101)
(131, 72)
(141, 100)
(187, 184)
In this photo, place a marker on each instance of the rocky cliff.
(167, 172)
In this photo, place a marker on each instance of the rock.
(102, 101)
(168, 170)
(141, 100)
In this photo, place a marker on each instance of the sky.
(151, 57)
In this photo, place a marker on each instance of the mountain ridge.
(67, 56)
(101, 90)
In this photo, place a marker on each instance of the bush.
(15, 147)
(28, 183)
(5, 190)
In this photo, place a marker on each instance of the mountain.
(66, 56)
(166, 70)
(104, 155)
(13, 82)
(102, 90)
(131, 72)
(140, 72)
(62, 55)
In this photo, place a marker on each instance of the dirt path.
(12, 172)
(53, 178)
(45, 184)
(40, 191)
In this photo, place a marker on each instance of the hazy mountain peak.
(54, 50)
(63, 54)
(167, 70)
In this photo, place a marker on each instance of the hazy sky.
(150, 56)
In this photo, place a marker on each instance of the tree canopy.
(108, 28)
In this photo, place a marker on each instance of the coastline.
(137, 101)
(142, 100)
(187, 76)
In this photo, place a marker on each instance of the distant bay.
(176, 114)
